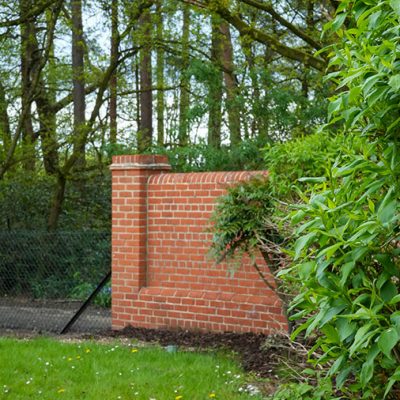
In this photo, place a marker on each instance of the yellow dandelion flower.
(69, 358)
(178, 397)
(87, 350)
(134, 350)
(62, 390)
(78, 357)
(212, 395)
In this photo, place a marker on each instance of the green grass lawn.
(49, 369)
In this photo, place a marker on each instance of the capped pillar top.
(140, 161)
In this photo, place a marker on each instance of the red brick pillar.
(130, 174)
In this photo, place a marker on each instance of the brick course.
(162, 275)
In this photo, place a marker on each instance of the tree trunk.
(215, 86)
(57, 202)
(137, 91)
(145, 134)
(27, 66)
(160, 76)
(78, 81)
(47, 132)
(5, 132)
(310, 25)
(231, 85)
(256, 125)
(183, 136)
(113, 80)
(45, 99)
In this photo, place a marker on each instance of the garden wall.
(162, 275)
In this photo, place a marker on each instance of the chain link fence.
(45, 278)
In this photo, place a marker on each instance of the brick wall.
(162, 273)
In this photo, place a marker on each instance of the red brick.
(174, 220)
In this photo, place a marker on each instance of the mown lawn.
(49, 369)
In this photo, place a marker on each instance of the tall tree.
(231, 85)
(113, 80)
(78, 81)
(160, 74)
(5, 131)
(184, 99)
(45, 99)
(33, 71)
(28, 63)
(215, 86)
(145, 131)
(256, 123)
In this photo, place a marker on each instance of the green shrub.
(25, 200)
(239, 218)
(83, 290)
(346, 261)
(200, 157)
(52, 265)
(308, 156)
(347, 251)
(313, 389)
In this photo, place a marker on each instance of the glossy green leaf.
(367, 369)
(338, 21)
(394, 82)
(388, 291)
(387, 340)
(302, 243)
(345, 328)
(395, 4)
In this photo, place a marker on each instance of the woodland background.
(212, 83)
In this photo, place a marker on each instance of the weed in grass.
(47, 369)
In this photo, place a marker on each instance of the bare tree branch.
(294, 29)
(258, 35)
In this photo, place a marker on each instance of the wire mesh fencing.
(45, 278)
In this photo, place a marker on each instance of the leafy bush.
(239, 218)
(346, 260)
(346, 257)
(200, 157)
(347, 252)
(52, 265)
(251, 216)
(319, 389)
(25, 200)
(83, 290)
(308, 156)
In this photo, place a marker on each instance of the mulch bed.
(250, 347)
